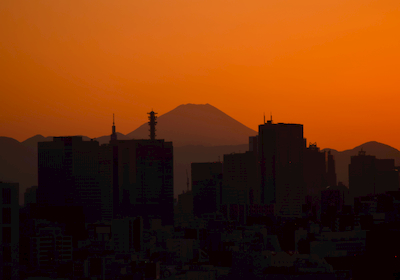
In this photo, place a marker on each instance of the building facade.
(281, 155)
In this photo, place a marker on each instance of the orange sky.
(333, 66)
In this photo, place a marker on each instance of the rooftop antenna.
(264, 117)
(113, 135)
(271, 116)
(152, 122)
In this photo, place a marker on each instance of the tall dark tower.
(281, 154)
(152, 123)
(113, 135)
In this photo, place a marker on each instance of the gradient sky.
(333, 66)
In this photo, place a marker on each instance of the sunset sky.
(333, 66)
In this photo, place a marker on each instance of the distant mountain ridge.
(379, 150)
(188, 124)
(203, 141)
(197, 124)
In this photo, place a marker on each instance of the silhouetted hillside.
(31, 143)
(106, 139)
(200, 133)
(196, 124)
(17, 164)
(379, 150)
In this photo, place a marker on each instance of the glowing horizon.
(66, 67)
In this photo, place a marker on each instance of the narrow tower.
(114, 134)
(152, 123)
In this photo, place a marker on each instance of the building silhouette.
(315, 170)
(331, 169)
(142, 178)
(281, 155)
(369, 175)
(241, 179)
(9, 234)
(206, 187)
(184, 209)
(69, 175)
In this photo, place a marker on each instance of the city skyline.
(278, 206)
(66, 67)
(145, 124)
(211, 139)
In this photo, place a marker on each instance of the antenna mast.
(113, 135)
(152, 122)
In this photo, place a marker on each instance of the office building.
(206, 187)
(128, 235)
(281, 155)
(369, 175)
(315, 170)
(69, 175)
(241, 184)
(50, 248)
(142, 177)
(144, 182)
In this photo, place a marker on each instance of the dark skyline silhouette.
(19, 159)
(275, 208)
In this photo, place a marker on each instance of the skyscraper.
(281, 154)
(315, 170)
(241, 179)
(68, 175)
(142, 178)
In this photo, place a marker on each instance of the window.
(6, 195)
(6, 234)
(6, 253)
(6, 215)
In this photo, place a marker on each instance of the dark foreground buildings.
(68, 175)
(125, 178)
(9, 231)
(206, 187)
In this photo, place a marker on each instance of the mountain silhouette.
(17, 164)
(197, 124)
(379, 150)
(200, 133)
